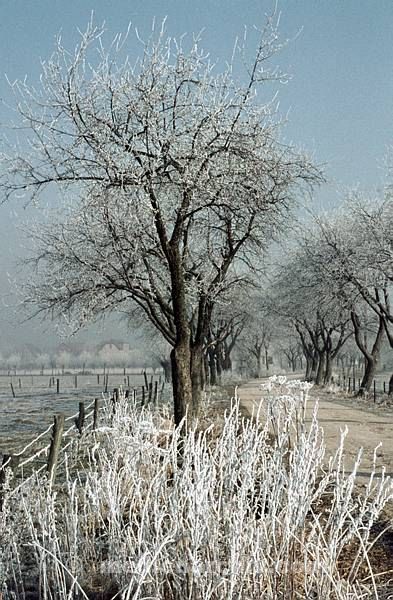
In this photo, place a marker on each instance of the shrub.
(255, 510)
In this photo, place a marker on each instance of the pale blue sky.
(340, 97)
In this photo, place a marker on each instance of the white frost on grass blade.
(147, 511)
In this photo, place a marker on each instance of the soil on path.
(367, 428)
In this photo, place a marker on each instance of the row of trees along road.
(337, 284)
(175, 178)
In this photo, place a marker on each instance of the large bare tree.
(176, 179)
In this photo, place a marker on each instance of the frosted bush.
(147, 511)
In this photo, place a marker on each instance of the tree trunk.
(227, 363)
(212, 366)
(371, 359)
(308, 368)
(314, 366)
(321, 368)
(267, 360)
(259, 365)
(328, 369)
(196, 378)
(218, 356)
(369, 374)
(390, 392)
(206, 367)
(181, 380)
(181, 352)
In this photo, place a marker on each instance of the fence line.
(59, 442)
(353, 384)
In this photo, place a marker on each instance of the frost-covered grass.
(241, 509)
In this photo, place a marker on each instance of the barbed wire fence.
(352, 385)
(48, 450)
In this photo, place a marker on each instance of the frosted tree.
(256, 336)
(42, 361)
(64, 359)
(288, 346)
(13, 362)
(175, 176)
(305, 298)
(359, 241)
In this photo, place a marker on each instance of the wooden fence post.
(12, 390)
(156, 393)
(146, 382)
(115, 398)
(95, 414)
(76, 381)
(58, 427)
(80, 420)
(143, 395)
(10, 461)
(57, 386)
(150, 391)
(375, 391)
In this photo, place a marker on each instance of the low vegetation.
(238, 508)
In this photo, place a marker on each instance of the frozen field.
(25, 416)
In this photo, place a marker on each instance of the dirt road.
(366, 428)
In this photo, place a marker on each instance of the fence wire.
(22, 459)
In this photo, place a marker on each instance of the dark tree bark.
(197, 378)
(328, 369)
(371, 358)
(314, 365)
(181, 352)
(308, 351)
(230, 341)
(181, 381)
(320, 376)
(218, 351)
(227, 362)
(258, 356)
(267, 360)
(206, 367)
(389, 335)
(390, 392)
(212, 366)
